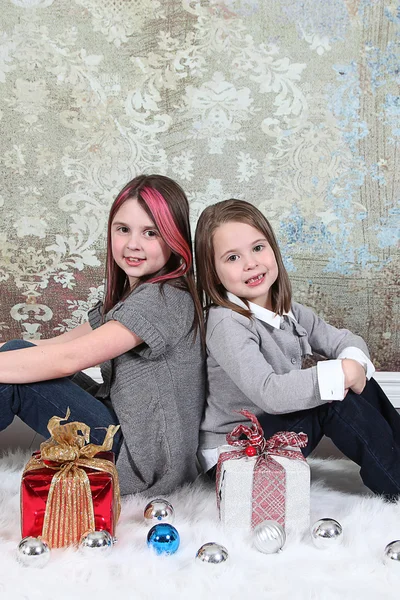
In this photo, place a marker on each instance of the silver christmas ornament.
(99, 542)
(326, 533)
(158, 511)
(212, 553)
(33, 552)
(392, 553)
(269, 537)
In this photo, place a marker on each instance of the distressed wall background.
(293, 105)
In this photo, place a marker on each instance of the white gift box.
(236, 488)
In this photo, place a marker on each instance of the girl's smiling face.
(245, 262)
(136, 244)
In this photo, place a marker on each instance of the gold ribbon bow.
(69, 511)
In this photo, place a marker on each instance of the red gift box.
(70, 487)
(35, 488)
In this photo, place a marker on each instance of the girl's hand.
(354, 375)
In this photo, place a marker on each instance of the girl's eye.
(151, 233)
(258, 248)
(232, 258)
(123, 229)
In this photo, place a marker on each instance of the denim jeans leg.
(366, 428)
(375, 395)
(36, 403)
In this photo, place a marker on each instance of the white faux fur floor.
(353, 571)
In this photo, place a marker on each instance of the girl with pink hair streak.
(147, 336)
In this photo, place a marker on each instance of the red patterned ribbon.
(269, 476)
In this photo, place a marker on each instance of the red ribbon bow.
(277, 444)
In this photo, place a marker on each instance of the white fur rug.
(353, 571)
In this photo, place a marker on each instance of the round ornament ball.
(327, 533)
(99, 542)
(269, 537)
(163, 538)
(212, 553)
(158, 511)
(33, 552)
(392, 553)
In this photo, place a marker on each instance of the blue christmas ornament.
(164, 538)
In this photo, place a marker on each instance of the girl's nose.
(133, 242)
(250, 263)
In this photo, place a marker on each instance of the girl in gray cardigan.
(257, 343)
(144, 336)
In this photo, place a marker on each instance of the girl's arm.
(65, 358)
(64, 337)
(234, 352)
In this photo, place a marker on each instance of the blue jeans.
(36, 403)
(365, 427)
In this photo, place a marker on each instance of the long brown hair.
(166, 204)
(210, 290)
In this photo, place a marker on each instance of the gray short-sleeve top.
(156, 389)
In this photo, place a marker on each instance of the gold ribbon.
(69, 508)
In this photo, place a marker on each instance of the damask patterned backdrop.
(293, 105)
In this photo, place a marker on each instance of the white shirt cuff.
(330, 380)
(358, 355)
(208, 458)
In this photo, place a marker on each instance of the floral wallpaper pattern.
(293, 105)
